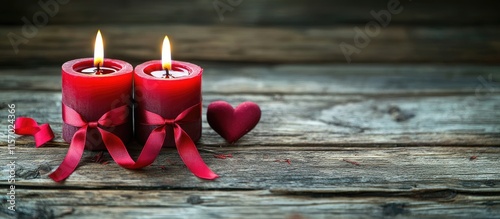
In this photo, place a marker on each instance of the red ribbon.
(185, 145)
(28, 126)
(114, 117)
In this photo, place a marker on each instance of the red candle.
(167, 88)
(167, 97)
(93, 87)
(168, 112)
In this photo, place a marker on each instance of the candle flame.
(98, 50)
(166, 58)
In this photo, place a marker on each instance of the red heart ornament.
(231, 123)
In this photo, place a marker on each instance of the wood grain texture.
(383, 137)
(331, 119)
(341, 141)
(257, 12)
(55, 44)
(244, 204)
(312, 79)
(312, 169)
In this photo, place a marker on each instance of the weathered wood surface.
(76, 203)
(331, 119)
(405, 140)
(338, 104)
(387, 170)
(301, 79)
(257, 12)
(55, 44)
(414, 141)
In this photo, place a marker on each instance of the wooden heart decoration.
(232, 124)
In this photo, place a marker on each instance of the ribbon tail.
(120, 155)
(28, 126)
(73, 156)
(190, 155)
(152, 147)
(44, 135)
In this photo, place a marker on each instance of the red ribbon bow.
(28, 126)
(114, 117)
(185, 145)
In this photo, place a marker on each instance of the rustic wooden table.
(409, 129)
(361, 140)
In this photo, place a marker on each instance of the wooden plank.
(64, 203)
(55, 44)
(450, 119)
(312, 169)
(257, 12)
(367, 79)
(400, 143)
(370, 120)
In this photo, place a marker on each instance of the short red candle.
(94, 95)
(167, 97)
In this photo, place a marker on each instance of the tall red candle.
(167, 97)
(96, 108)
(92, 95)
(168, 110)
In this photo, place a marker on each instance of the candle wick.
(98, 71)
(166, 73)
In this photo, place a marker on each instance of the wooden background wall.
(269, 31)
(384, 137)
